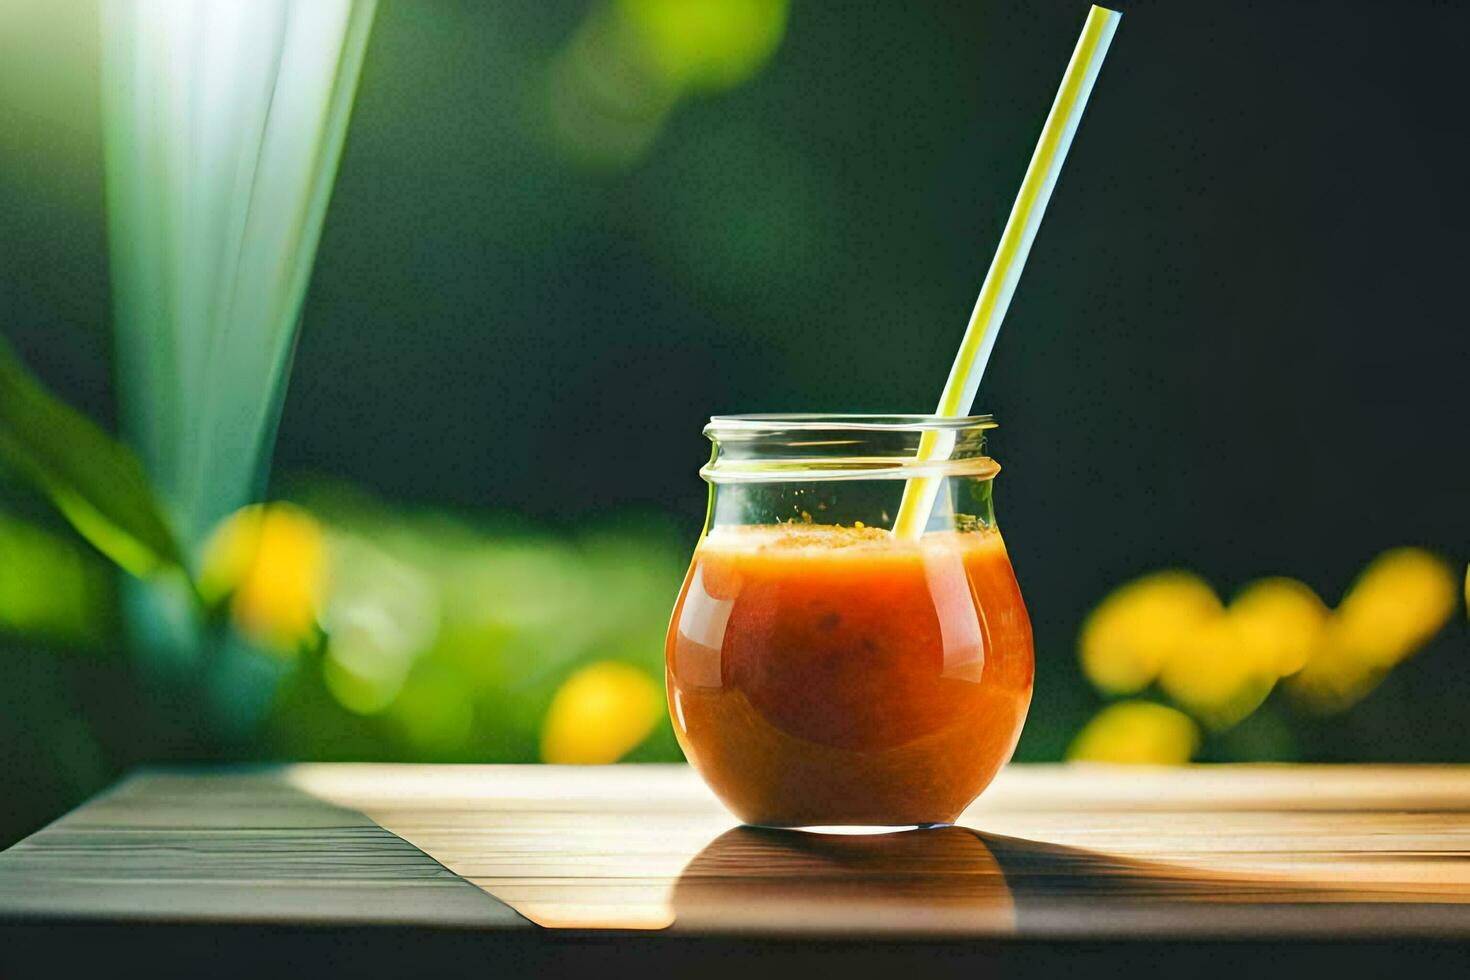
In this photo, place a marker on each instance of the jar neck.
(962, 503)
(847, 471)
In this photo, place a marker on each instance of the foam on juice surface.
(811, 540)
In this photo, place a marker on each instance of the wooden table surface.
(558, 867)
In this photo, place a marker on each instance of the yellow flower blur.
(1402, 599)
(1220, 665)
(600, 714)
(1132, 633)
(1137, 733)
(1334, 679)
(1218, 675)
(1282, 621)
(271, 561)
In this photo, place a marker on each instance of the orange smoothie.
(822, 675)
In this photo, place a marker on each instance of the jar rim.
(778, 421)
(778, 448)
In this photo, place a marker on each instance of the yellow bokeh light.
(1401, 600)
(1334, 679)
(611, 88)
(1137, 733)
(1218, 674)
(271, 561)
(1281, 620)
(1220, 665)
(1397, 604)
(600, 714)
(708, 45)
(1128, 638)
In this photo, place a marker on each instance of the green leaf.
(52, 589)
(96, 482)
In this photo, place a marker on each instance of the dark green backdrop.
(1240, 344)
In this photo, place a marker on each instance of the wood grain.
(237, 846)
(1050, 852)
(1063, 851)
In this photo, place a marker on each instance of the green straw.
(1010, 257)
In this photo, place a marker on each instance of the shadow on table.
(956, 880)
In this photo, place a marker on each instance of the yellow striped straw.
(1010, 257)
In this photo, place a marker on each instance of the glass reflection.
(956, 881)
(944, 879)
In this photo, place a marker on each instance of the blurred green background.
(1238, 348)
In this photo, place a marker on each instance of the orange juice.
(822, 675)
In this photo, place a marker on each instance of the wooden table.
(379, 868)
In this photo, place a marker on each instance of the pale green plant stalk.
(223, 126)
(223, 123)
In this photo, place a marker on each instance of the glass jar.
(825, 671)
